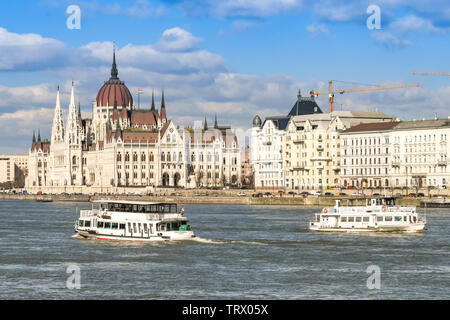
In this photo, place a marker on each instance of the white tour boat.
(378, 215)
(133, 221)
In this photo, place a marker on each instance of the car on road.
(316, 193)
(357, 194)
(241, 194)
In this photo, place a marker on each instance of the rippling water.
(242, 252)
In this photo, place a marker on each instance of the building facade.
(302, 151)
(402, 154)
(121, 146)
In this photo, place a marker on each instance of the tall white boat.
(133, 221)
(378, 215)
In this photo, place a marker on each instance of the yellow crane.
(331, 92)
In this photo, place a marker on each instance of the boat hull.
(167, 236)
(414, 228)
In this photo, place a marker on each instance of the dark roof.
(304, 106)
(373, 126)
(280, 122)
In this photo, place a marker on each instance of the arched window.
(74, 160)
(168, 156)
(119, 157)
(143, 156)
(180, 157)
(127, 157)
(151, 157)
(135, 157)
(163, 157)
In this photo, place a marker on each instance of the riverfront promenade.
(216, 198)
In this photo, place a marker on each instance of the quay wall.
(316, 201)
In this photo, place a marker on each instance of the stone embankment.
(213, 198)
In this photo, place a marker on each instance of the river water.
(242, 252)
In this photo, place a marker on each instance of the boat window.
(100, 224)
(80, 223)
(343, 219)
(129, 227)
(365, 219)
(388, 218)
(358, 219)
(134, 228)
(139, 227)
(122, 226)
(111, 206)
(405, 218)
(398, 218)
(103, 206)
(380, 218)
(135, 208)
(167, 208)
(151, 227)
(351, 219)
(145, 228)
(173, 208)
(107, 225)
(87, 223)
(115, 225)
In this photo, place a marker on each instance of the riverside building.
(301, 151)
(402, 154)
(122, 147)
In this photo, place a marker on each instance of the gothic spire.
(114, 71)
(205, 125)
(58, 122)
(34, 137)
(163, 107)
(39, 136)
(216, 125)
(153, 101)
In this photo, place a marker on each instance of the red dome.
(114, 90)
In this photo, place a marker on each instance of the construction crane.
(431, 73)
(331, 92)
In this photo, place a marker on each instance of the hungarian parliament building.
(121, 146)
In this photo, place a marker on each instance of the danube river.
(242, 252)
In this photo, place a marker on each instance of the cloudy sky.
(236, 58)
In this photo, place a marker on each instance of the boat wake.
(224, 241)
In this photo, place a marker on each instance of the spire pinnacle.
(153, 101)
(39, 136)
(114, 71)
(34, 137)
(205, 125)
(216, 125)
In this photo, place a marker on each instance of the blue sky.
(236, 58)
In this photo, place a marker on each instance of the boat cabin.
(135, 207)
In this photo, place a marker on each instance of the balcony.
(442, 163)
(298, 140)
(321, 158)
(395, 164)
(267, 143)
(319, 148)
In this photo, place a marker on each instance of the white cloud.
(395, 35)
(317, 29)
(177, 39)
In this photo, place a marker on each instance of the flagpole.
(139, 100)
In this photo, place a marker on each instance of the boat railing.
(364, 209)
(89, 213)
(161, 216)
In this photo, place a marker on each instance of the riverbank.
(211, 199)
